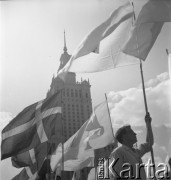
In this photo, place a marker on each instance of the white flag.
(95, 133)
(100, 49)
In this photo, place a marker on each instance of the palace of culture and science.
(76, 106)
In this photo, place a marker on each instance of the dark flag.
(27, 174)
(34, 125)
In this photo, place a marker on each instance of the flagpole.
(144, 95)
(62, 172)
(146, 109)
(109, 116)
(95, 165)
(47, 170)
(143, 87)
(167, 52)
(95, 171)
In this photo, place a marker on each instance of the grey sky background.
(32, 42)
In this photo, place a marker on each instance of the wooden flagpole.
(109, 116)
(143, 87)
(48, 168)
(167, 52)
(62, 133)
(95, 169)
(146, 109)
(145, 100)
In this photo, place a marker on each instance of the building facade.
(76, 98)
(76, 102)
(76, 108)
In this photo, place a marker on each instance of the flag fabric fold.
(76, 175)
(36, 163)
(155, 11)
(100, 49)
(27, 174)
(147, 27)
(95, 133)
(24, 159)
(36, 124)
(76, 154)
(141, 39)
(33, 157)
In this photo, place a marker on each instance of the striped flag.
(38, 164)
(36, 124)
(27, 174)
(34, 156)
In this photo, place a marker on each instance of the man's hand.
(148, 118)
(149, 137)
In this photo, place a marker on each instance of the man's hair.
(120, 132)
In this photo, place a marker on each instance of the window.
(72, 94)
(76, 93)
(79, 93)
(68, 92)
(63, 92)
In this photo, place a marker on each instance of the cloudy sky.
(30, 49)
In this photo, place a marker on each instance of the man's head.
(126, 134)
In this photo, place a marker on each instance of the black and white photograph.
(85, 89)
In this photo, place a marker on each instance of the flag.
(35, 171)
(78, 152)
(35, 156)
(36, 124)
(76, 175)
(100, 49)
(141, 39)
(155, 11)
(24, 159)
(27, 174)
(91, 175)
(142, 36)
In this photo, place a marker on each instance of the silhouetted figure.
(126, 158)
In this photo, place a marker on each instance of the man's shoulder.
(118, 150)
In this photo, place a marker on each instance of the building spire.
(65, 48)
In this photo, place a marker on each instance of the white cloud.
(159, 79)
(127, 107)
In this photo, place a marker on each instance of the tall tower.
(76, 100)
(76, 97)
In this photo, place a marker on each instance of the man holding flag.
(125, 159)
